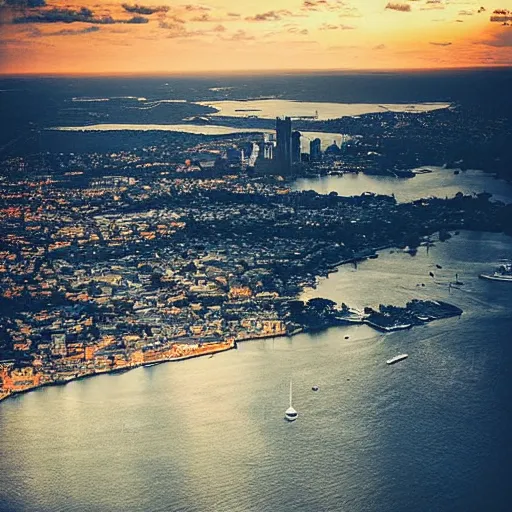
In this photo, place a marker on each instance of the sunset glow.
(57, 36)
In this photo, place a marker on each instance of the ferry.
(395, 359)
(502, 273)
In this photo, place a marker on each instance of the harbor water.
(427, 434)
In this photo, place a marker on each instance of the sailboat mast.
(290, 392)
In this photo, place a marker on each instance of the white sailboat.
(290, 413)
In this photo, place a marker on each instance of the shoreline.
(122, 369)
(304, 329)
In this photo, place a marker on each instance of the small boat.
(395, 359)
(290, 413)
(315, 388)
(502, 273)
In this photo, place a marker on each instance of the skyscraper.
(315, 151)
(284, 143)
(296, 147)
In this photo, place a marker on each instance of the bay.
(439, 182)
(430, 433)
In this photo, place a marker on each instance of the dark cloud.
(136, 20)
(398, 7)
(379, 47)
(434, 43)
(234, 14)
(70, 32)
(482, 9)
(501, 16)
(270, 16)
(24, 3)
(143, 9)
(84, 15)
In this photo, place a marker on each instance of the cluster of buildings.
(283, 152)
(117, 260)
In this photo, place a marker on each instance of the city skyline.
(56, 37)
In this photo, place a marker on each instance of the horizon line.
(245, 72)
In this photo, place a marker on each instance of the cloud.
(501, 16)
(379, 47)
(328, 26)
(71, 32)
(466, 13)
(322, 5)
(435, 43)
(298, 30)
(241, 35)
(234, 15)
(23, 3)
(398, 7)
(201, 18)
(84, 15)
(142, 9)
(269, 16)
(501, 39)
(197, 7)
(136, 20)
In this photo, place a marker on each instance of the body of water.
(270, 108)
(430, 433)
(439, 183)
(208, 129)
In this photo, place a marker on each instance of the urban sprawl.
(112, 260)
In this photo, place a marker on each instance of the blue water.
(430, 433)
(439, 183)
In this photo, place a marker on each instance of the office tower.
(284, 143)
(315, 151)
(295, 147)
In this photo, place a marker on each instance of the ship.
(502, 273)
(395, 359)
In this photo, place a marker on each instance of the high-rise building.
(315, 151)
(284, 143)
(296, 147)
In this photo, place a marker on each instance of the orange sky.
(56, 36)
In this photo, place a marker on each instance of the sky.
(108, 37)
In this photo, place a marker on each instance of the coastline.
(339, 322)
(345, 322)
(122, 369)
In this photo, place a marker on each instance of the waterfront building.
(315, 150)
(296, 146)
(284, 143)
